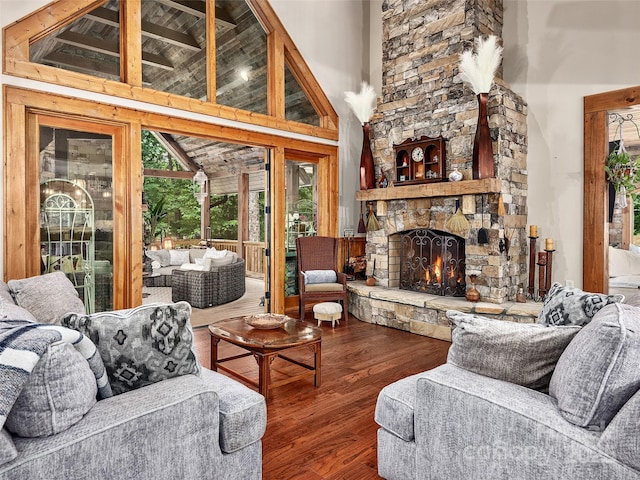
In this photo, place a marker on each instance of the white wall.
(329, 35)
(555, 54)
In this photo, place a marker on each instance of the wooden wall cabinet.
(420, 161)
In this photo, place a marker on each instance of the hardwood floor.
(329, 432)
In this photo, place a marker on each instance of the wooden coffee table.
(266, 346)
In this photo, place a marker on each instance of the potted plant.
(623, 173)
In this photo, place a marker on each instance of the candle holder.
(542, 268)
(549, 269)
(532, 267)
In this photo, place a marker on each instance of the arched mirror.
(599, 139)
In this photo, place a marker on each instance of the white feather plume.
(363, 104)
(479, 69)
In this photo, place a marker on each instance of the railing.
(253, 253)
(254, 259)
(229, 245)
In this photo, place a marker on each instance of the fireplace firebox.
(432, 261)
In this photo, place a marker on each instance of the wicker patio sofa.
(202, 289)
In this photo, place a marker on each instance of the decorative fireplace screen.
(432, 261)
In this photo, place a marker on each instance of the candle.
(533, 230)
(548, 244)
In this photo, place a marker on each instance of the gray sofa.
(457, 422)
(190, 426)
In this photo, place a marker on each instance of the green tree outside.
(179, 215)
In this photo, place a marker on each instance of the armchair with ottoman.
(553, 400)
(115, 395)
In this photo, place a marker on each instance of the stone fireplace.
(423, 95)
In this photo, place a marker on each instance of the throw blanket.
(22, 343)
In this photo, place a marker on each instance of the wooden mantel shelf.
(427, 190)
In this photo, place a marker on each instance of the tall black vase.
(482, 165)
(367, 173)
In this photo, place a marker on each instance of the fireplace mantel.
(443, 189)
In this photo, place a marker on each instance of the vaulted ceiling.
(174, 60)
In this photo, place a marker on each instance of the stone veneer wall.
(424, 95)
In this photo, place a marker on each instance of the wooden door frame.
(20, 239)
(327, 166)
(595, 252)
(22, 250)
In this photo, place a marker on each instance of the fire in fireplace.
(432, 261)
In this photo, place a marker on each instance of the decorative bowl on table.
(266, 321)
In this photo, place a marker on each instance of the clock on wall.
(427, 163)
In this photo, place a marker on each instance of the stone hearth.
(425, 314)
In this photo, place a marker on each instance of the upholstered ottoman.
(195, 287)
(328, 312)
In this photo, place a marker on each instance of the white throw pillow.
(178, 257)
(218, 254)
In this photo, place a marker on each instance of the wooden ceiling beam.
(173, 147)
(183, 175)
(109, 48)
(86, 66)
(111, 17)
(197, 8)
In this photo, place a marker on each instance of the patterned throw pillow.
(520, 353)
(143, 345)
(572, 306)
(47, 297)
(319, 276)
(600, 369)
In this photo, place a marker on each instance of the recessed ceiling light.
(244, 73)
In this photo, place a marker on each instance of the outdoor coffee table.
(266, 346)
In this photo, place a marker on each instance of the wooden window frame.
(20, 35)
(21, 234)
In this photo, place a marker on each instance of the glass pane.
(76, 212)
(89, 45)
(301, 216)
(174, 43)
(241, 57)
(297, 106)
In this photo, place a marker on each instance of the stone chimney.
(423, 95)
